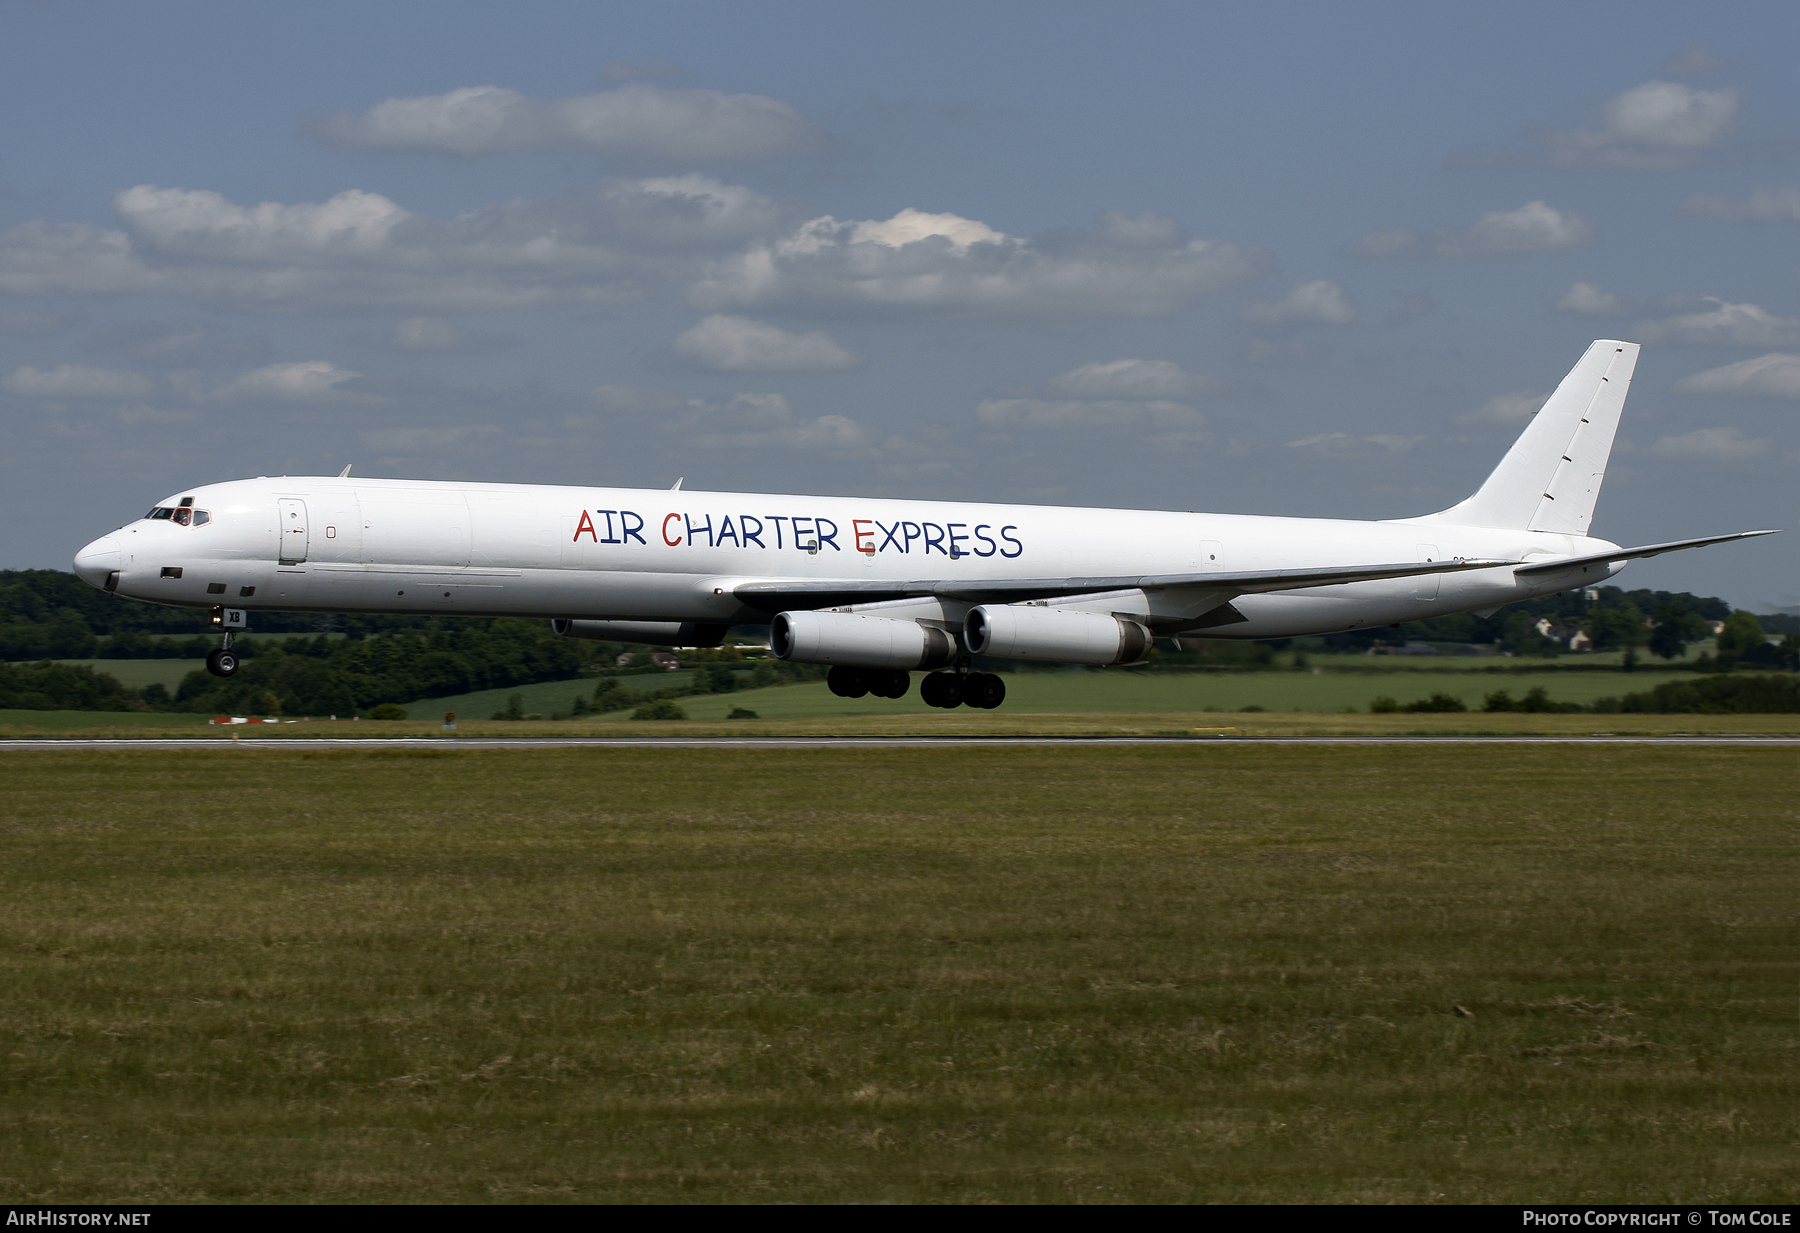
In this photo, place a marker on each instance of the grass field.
(1098, 692)
(1189, 972)
(137, 673)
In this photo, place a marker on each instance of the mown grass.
(707, 719)
(1168, 973)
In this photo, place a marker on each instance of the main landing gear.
(856, 682)
(949, 689)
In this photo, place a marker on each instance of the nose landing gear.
(222, 662)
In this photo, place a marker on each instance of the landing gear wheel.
(222, 662)
(942, 689)
(889, 683)
(983, 690)
(847, 682)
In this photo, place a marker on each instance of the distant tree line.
(1737, 694)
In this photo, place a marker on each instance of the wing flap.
(832, 593)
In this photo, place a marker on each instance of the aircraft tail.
(1550, 478)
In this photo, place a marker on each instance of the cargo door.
(291, 511)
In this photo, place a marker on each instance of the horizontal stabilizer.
(1630, 554)
(833, 593)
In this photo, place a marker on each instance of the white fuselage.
(419, 547)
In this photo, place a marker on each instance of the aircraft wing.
(1628, 554)
(835, 593)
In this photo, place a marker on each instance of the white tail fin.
(1550, 478)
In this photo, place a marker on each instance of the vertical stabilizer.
(1550, 478)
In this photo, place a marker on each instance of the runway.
(294, 743)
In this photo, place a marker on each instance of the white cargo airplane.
(874, 588)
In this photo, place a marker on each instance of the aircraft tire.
(847, 682)
(942, 689)
(888, 682)
(984, 690)
(222, 663)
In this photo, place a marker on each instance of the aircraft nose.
(98, 561)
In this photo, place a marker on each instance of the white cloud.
(738, 344)
(764, 421)
(1768, 376)
(1317, 303)
(1653, 127)
(204, 223)
(1334, 444)
(364, 250)
(1587, 300)
(917, 261)
(1711, 445)
(1510, 409)
(633, 121)
(305, 381)
(1534, 227)
(1140, 379)
(76, 381)
(1726, 325)
(1765, 205)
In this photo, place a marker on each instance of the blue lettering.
(937, 540)
(692, 530)
(1011, 540)
(726, 530)
(751, 537)
(984, 539)
(827, 539)
(912, 532)
(890, 532)
(955, 551)
(777, 522)
(631, 532)
(609, 526)
(808, 542)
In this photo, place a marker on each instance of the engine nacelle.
(657, 633)
(858, 641)
(1009, 631)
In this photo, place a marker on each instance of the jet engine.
(657, 633)
(858, 641)
(1026, 631)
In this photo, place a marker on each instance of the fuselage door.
(1425, 586)
(292, 513)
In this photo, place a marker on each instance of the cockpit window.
(181, 516)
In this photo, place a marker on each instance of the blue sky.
(1304, 259)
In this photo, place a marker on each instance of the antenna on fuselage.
(345, 473)
(676, 486)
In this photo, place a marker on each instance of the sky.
(1317, 260)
